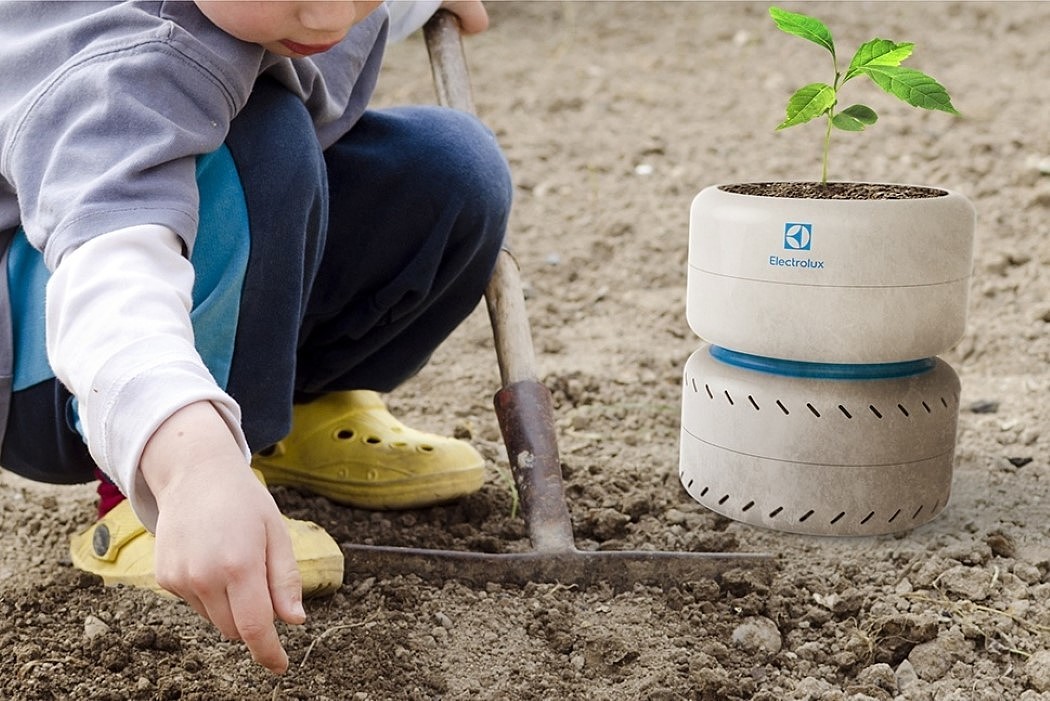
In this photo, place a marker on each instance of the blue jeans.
(363, 259)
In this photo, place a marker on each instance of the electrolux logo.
(798, 236)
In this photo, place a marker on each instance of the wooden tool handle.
(504, 296)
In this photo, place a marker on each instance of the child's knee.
(474, 162)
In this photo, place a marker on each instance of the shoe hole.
(373, 440)
(427, 448)
(399, 444)
(344, 434)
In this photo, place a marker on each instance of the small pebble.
(906, 675)
(984, 406)
(1037, 668)
(94, 627)
(758, 634)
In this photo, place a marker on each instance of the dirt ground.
(613, 115)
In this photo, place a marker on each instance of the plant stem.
(831, 115)
(827, 148)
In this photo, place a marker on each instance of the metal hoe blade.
(525, 413)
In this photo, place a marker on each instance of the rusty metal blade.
(620, 570)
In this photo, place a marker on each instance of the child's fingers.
(211, 604)
(253, 614)
(473, 18)
(282, 573)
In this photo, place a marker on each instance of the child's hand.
(221, 542)
(473, 17)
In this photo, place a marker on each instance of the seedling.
(878, 59)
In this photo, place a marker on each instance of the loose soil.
(613, 116)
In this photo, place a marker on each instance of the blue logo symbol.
(797, 236)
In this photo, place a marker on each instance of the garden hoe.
(524, 410)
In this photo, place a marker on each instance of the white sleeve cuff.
(406, 16)
(119, 337)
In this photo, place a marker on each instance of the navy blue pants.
(363, 259)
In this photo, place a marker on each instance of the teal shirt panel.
(219, 258)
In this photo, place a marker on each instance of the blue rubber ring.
(822, 371)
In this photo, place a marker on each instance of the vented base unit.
(816, 448)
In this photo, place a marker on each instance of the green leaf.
(803, 26)
(854, 118)
(914, 87)
(878, 52)
(862, 113)
(846, 123)
(808, 103)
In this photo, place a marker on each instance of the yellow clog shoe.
(347, 447)
(119, 549)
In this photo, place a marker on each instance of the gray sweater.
(104, 106)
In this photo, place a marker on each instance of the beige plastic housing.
(836, 281)
(825, 457)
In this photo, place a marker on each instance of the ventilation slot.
(748, 505)
(875, 411)
(838, 518)
(783, 408)
(709, 394)
(753, 402)
(903, 410)
(723, 500)
(703, 492)
(688, 486)
(927, 408)
(692, 381)
(805, 516)
(775, 512)
(813, 409)
(729, 398)
(845, 412)
(944, 403)
(916, 514)
(867, 518)
(894, 516)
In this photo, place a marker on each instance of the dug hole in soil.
(613, 116)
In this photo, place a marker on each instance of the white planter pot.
(830, 280)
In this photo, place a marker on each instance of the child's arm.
(119, 336)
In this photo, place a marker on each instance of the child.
(215, 257)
